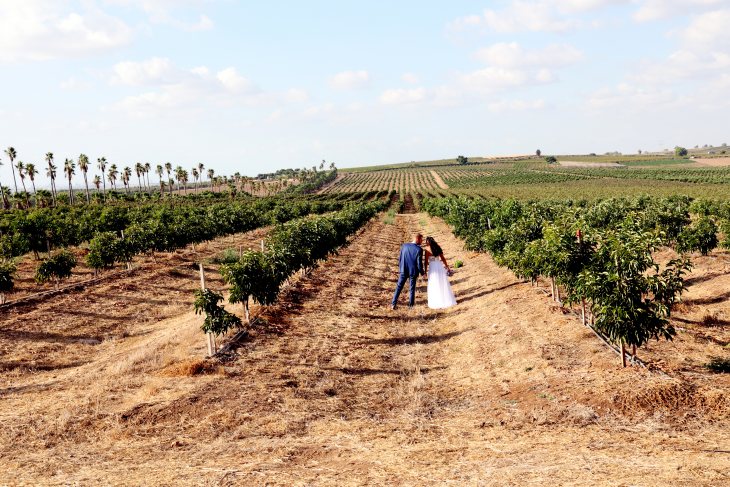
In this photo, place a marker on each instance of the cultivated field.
(106, 382)
(337, 389)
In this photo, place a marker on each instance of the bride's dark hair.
(435, 248)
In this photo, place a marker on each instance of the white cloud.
(75, 84)
(512, 55)
(632, 97)
(502, 106)
(410, 78)
(153, 71)
(709, 30)
(233, 81)
(535, 16)
(39, 30)
(660, 9)
(404, 96)
(494, 79)
(172, 89)
(703, 55)
(160, 12)
(350, 80)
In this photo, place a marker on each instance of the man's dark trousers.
(410, 263)
(399, 287)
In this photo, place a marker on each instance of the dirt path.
(440, 182)
(340, 390)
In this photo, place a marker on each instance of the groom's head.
(418, 239)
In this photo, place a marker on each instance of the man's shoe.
(392, 306)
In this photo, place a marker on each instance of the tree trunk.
(86, 183)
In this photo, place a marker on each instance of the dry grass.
(340, 390)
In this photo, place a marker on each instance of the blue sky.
(257, 86)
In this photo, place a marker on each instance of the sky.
(253, 86)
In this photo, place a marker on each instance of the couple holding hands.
(415, 261)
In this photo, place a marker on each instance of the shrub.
(217, 319)
(701, 236)
(7, 275)
(56, 268)
(551, 160)
(719, 365)
(458, 264)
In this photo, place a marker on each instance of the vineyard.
(229, 338)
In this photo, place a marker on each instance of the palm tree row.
(108, 172)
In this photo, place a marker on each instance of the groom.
(411, 265)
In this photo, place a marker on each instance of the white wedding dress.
(440, 295)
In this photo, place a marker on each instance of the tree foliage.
(600, 252)
(217, 319)
(56, 268)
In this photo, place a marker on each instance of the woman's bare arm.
(426, 255)
(443, 259)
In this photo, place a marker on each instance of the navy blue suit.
(411, 266)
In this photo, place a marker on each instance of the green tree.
(680, 151)
(12, 154)
(7, 276)
(51, 173)
(31, 171)
(217, 320)
(101, 164)
(70, 169)
(84, 167)
(56, 268)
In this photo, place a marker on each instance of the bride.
(440, 295)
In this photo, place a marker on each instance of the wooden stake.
(623, 353)
(552, 287)
(263, 248)
(583, 311)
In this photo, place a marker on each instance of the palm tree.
(12, 155)
(126, 174)
(332, 166)
(21, 172)
(70, 169)
(101, 164)
(84, 166)
(185, 181)
(139, 169)
(211, 173)
(159, 170)
(201, 168)
(97, 182)
(51, 173)
(113, 173)
(31, 171)
(147, 169)
(168, 168)
(321, 165)
(178, 176)
(43, 197)
(5, 198)
(195, 173)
